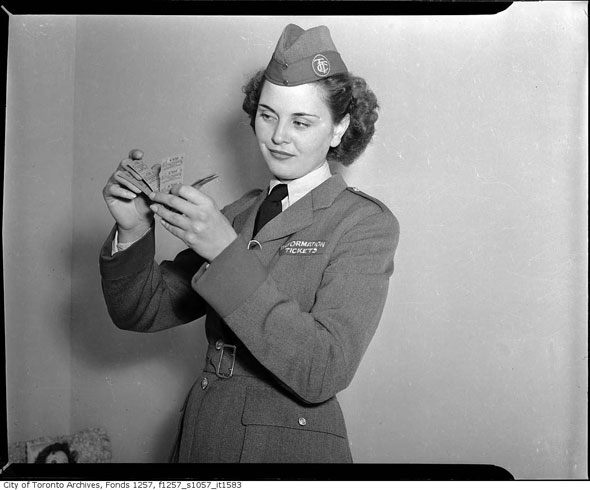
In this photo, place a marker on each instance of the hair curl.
(344, 94)
(55, 447)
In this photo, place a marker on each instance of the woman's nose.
(280, 134)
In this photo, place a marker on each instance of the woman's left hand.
(193, 217)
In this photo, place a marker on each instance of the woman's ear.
(339, 130)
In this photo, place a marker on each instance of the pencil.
(203, 181)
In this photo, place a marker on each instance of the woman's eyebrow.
(296, 114)
(305, 114)
(267, 107)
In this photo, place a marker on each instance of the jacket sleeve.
(144, 296)
(313, 354)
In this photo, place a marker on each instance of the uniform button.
(302, 421)
(204, 383)
(355, 189)
(219, 344)
(285, 82)
(285, 66)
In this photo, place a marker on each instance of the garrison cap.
(304, 56)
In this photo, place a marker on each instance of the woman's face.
(57, 457)
(295, 129)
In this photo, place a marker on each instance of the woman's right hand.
(127, 204)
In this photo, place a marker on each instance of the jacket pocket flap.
(268, 407)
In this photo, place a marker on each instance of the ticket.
(145, 173)
(171, 172)
(140, 184)
(127, 166)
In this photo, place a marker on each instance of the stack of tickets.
(150, 180)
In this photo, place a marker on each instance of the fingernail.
(154, 207)
(152, 195)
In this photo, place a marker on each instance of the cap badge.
(320, 65)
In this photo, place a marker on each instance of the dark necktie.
(270, 207)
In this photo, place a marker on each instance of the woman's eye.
(301, 124)
(265, 116)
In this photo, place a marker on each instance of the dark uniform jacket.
(289, 317)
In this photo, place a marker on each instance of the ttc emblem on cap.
(320, 65)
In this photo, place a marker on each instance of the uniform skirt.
(246, 419)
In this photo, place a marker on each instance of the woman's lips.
(280, 155)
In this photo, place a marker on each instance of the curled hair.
(344, 94)
(55, 447)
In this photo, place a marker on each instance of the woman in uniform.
(292, 279)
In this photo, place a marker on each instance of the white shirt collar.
(298, 188)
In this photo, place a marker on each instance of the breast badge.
(303, 247)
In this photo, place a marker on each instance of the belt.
(227, 360)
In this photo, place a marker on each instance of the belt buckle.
(233, 361)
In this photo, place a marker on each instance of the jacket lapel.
(299, 215)
(243, 223)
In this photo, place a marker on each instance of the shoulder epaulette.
(358, 192)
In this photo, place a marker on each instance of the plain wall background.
(37, 225)
(481, 153)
